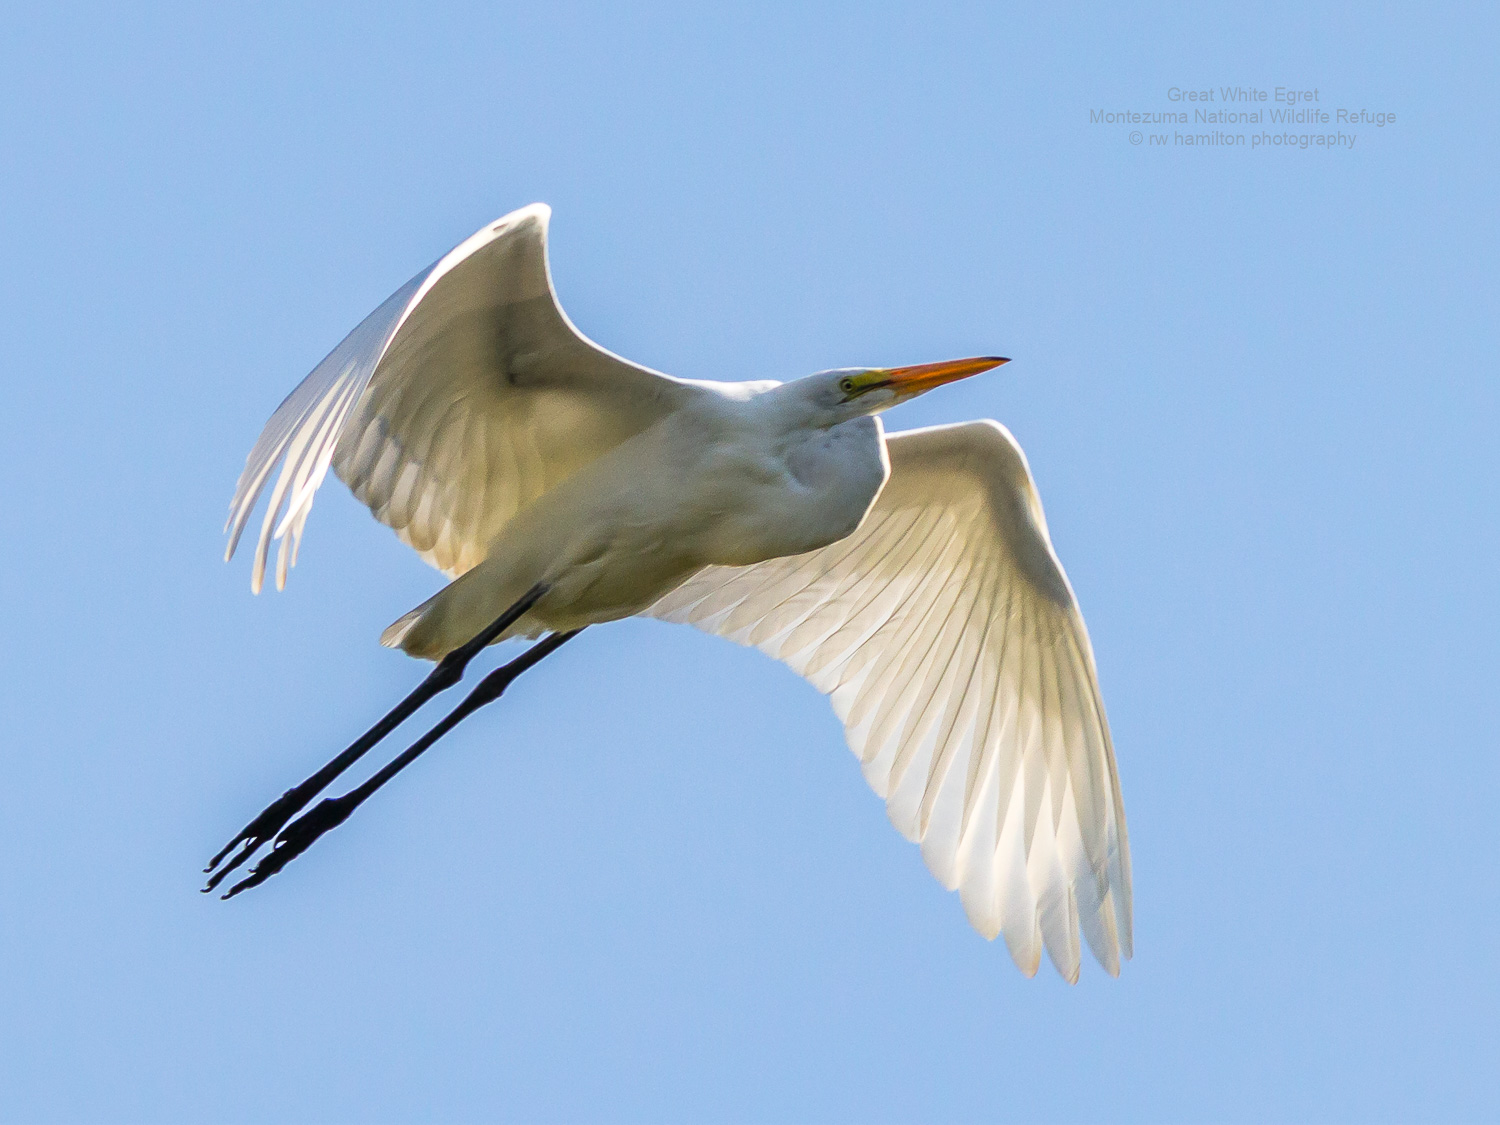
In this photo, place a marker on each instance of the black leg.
(447, 673)
(329, 813)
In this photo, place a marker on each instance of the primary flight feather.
(908, 575)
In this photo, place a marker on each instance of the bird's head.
(849, 392)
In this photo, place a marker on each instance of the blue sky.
(1258, 392)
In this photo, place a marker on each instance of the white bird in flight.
(909, 576)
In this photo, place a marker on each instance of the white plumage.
(909, 576)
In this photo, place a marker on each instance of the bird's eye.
(846, 384)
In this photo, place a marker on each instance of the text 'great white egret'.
(907, 575)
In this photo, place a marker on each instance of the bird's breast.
(613, 538)
(760, 499)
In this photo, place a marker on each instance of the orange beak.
(924, 376)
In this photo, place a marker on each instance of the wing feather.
(458, 401)
(948, 640)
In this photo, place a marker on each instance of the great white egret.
(907, 575)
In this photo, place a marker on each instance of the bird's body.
(908, 575)
(728, 478)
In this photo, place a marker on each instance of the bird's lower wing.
(466, 395)
(949, 641)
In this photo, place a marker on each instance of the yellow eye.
(846, 384)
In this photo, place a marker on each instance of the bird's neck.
(794, 409)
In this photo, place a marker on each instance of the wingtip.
(1025, 952)
(537, 212)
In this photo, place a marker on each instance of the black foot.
(274, 818)
(291, 840)
(259, 831)
(296, 839)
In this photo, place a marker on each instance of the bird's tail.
(460, 611)
(396, 631)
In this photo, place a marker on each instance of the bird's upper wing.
(949, 640)
(462, 398)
